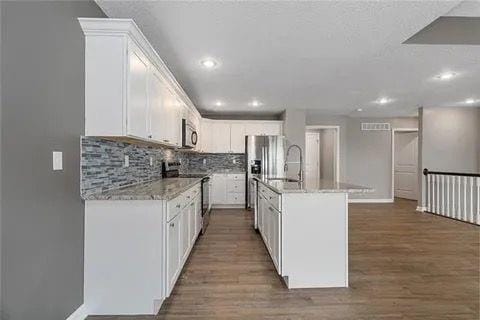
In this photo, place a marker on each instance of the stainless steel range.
(170, 169)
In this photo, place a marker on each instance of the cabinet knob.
(178, 205)
(188, 197)
(150, 136)
(172, 224)
(191, 204)
(270, 208)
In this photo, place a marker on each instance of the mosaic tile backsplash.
(102, 163)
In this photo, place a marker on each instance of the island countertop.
(312, 186)
(161, 189)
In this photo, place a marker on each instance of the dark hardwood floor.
(403, 265)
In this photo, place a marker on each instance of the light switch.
(57, 160)
(126, 162)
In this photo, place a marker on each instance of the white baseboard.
(421, 209)
(79, 314)
(370, 201)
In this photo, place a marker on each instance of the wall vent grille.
(375, 126)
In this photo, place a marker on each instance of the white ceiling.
(328, 57)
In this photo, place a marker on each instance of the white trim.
(80, 314)
(421, 209)
(370, 200)
(395, 130)
(337, 145)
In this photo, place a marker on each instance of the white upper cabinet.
(228, 136)
(137, 104)
(237, 137)
(129, 92)
(220, 137)
(157, 109)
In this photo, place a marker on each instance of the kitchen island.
(305, 228)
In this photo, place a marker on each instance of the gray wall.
(42, 67)
(450, 139)
(365, 156)
(294, 131)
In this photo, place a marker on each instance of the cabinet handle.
(172, 224)
(270, 198)
(191, 204)
(165, 140)
(188, 197)
(150, 136)
(178, 205)
(270, 208)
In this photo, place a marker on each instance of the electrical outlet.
(234, 161)
(57, 160)
(204, 162)
(151, 161)
(126, 162)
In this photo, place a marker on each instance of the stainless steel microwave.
(189, 135)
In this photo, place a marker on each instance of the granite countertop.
(313, 186)
(225, 171)
(161, 189)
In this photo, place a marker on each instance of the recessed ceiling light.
(470, 101)
(359, 109)
(255, 103)
(384, 100)
(218, 103)
(446, 75)
(209, 63)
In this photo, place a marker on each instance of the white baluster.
(429, 192)
(478, 201)
(434, 199)
(448, 196)
(470, 217)
(459, 205)
(437, 207)
(464, 211)
(454, 212)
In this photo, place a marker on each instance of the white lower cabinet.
(173, 250)
(269, 224)
(228, 190)
(135, 251)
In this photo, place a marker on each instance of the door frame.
(337, 145)
(317, 134)
(395, 130)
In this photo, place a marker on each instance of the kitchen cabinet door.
(220, 137)
(198, 214)
(157, 110)
(272, 129)
(191, 221)
(275, 237)
(184, 233)
(237, 137)
(205, 137)
(173, 250)
(219, 189)
(137, 102)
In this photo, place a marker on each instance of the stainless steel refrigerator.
(265, 156)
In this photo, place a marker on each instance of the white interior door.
(312, 155)
(405, 170)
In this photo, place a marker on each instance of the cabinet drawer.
(192, 193)
(235, 198)
(271, 196)
(175, 205)
(236, 177)
(236, 186)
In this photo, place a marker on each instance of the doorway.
(405, 164)
(322, 153)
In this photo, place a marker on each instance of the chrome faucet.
(300, 171)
